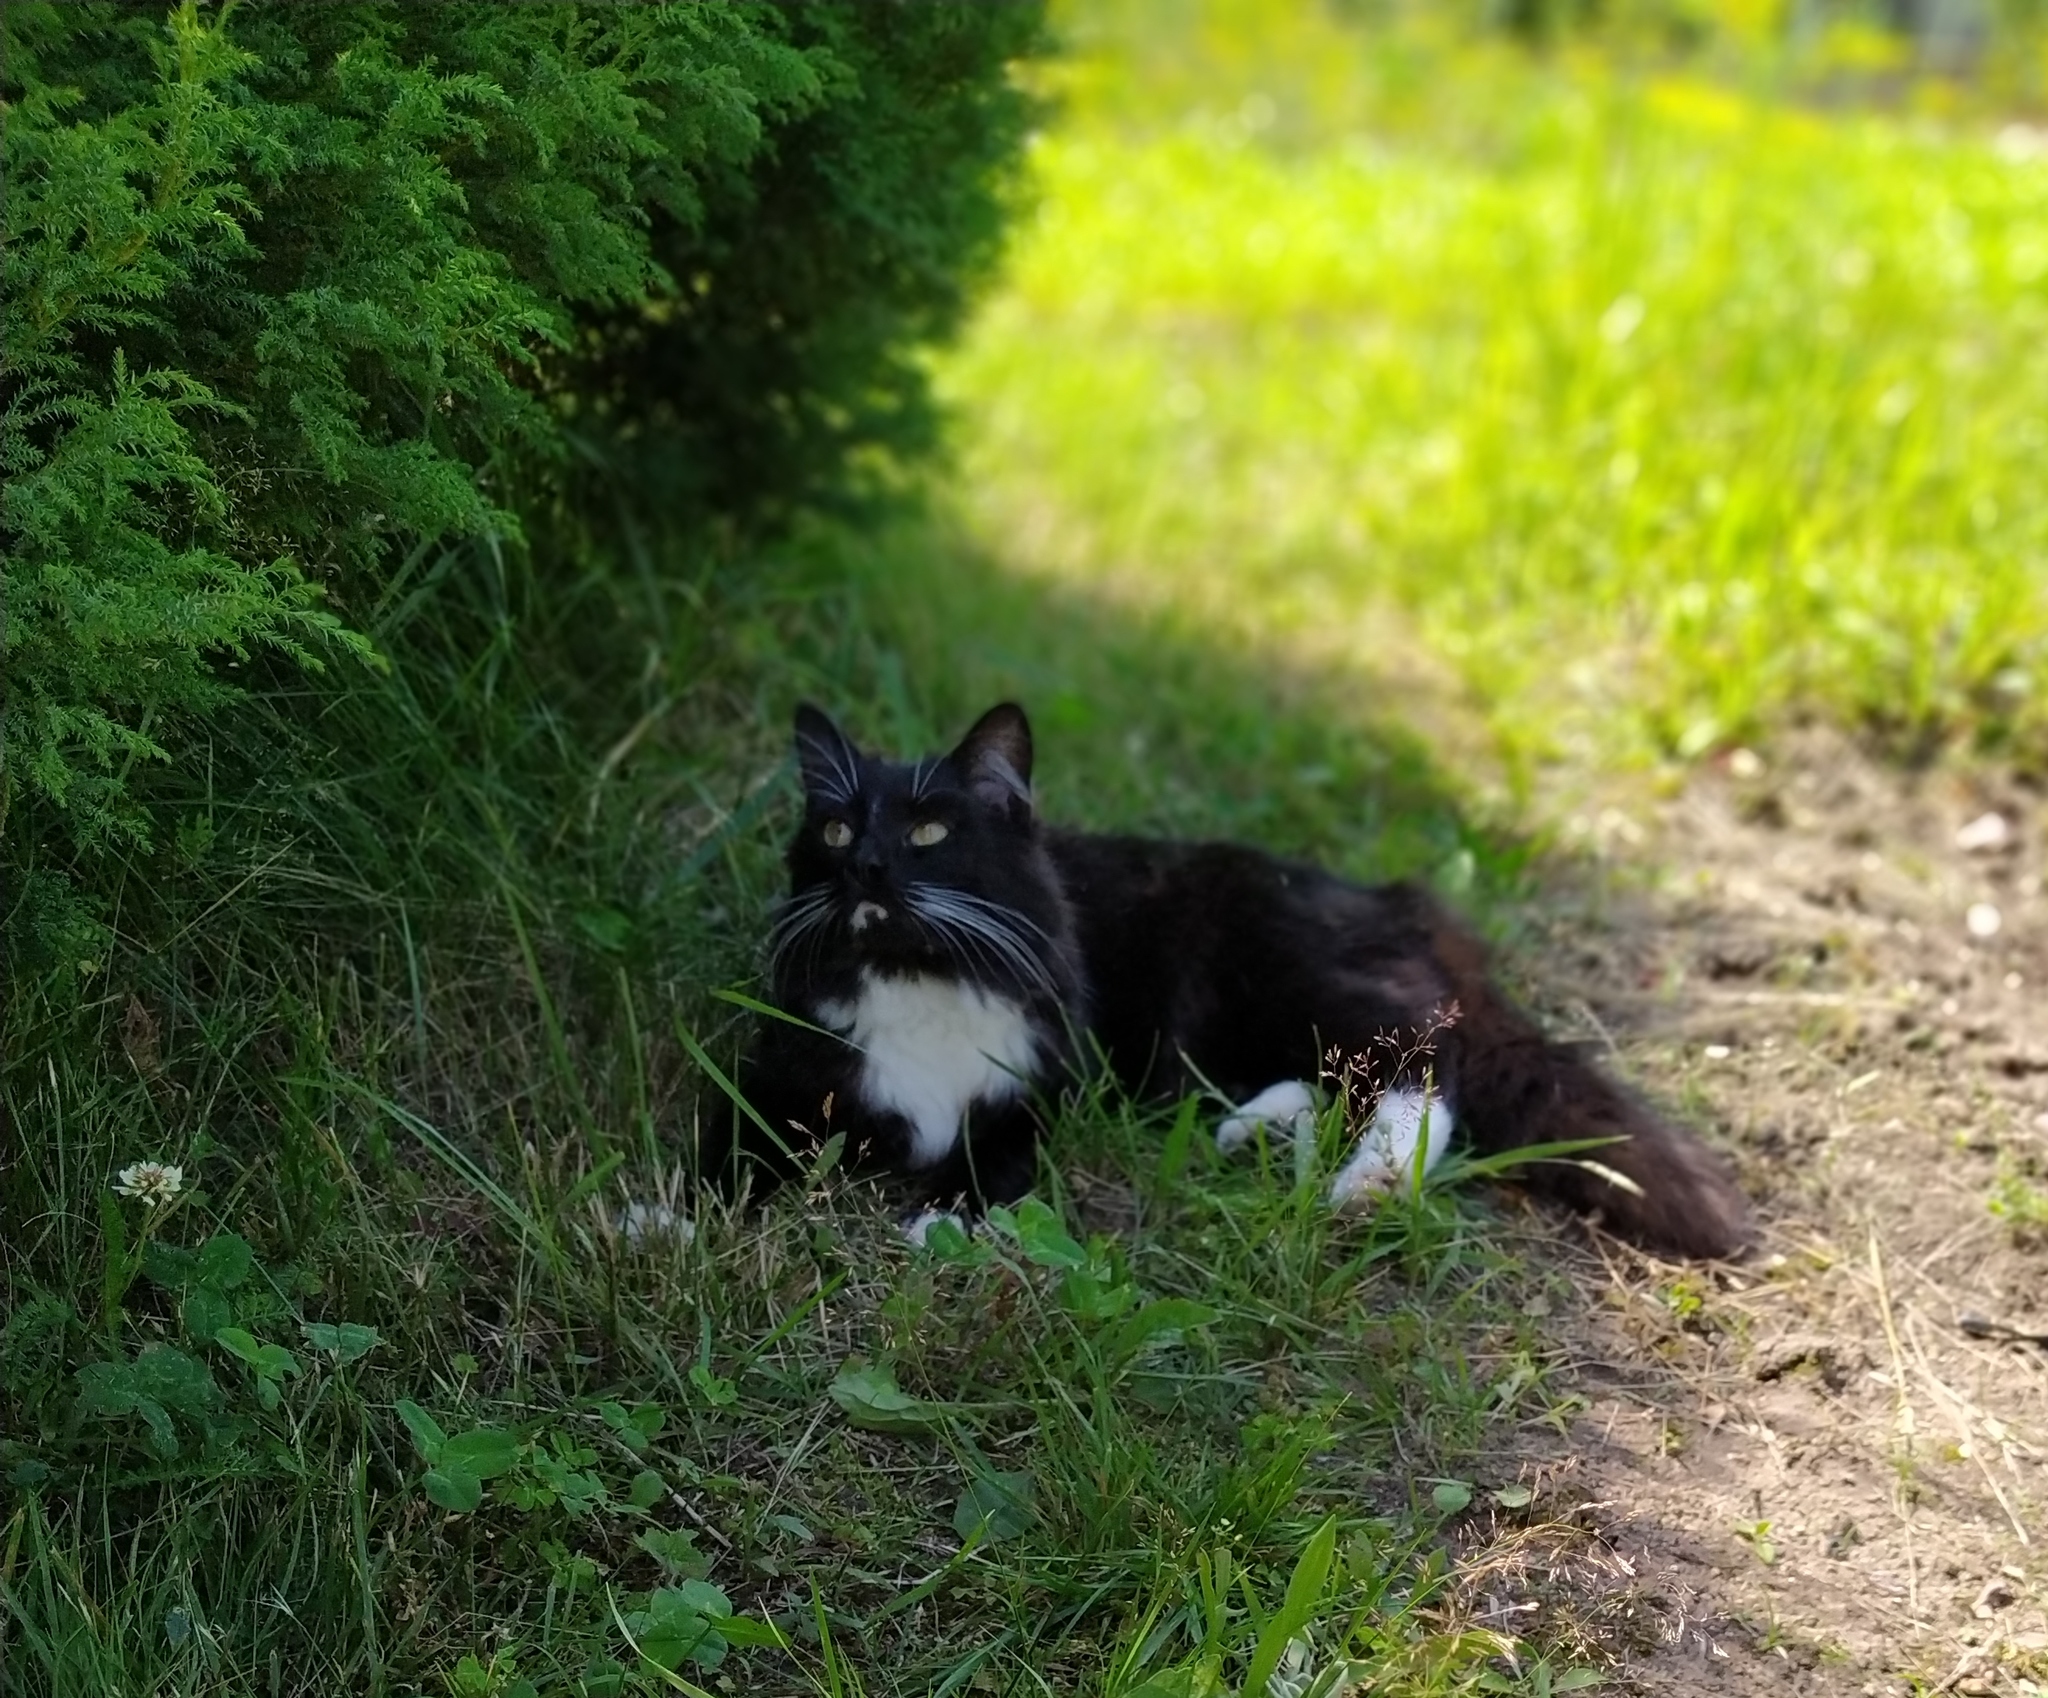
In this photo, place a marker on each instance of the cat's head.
(930, 866)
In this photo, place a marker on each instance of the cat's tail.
(1513, 1088)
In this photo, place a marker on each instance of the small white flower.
(155, 1182)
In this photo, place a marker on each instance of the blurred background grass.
(1658, 380)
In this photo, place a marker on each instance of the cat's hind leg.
(1410, 1123)
(1289, 1106)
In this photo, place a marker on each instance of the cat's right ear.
(829, 763)
(995, 759)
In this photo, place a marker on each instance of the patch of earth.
(1815, 1472)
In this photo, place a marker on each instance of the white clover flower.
(155, 1182)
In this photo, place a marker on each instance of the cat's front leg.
(1289, 1106)
(1410, 1128)
(1410, 1131)
(994, 1161)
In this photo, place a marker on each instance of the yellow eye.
(926, 833)
(837, 834)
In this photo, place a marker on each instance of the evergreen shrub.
(294, 294)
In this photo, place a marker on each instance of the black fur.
(1177, 961)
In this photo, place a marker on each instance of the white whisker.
(990, 928)
(835, 758)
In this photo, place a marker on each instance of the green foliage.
(292, 292)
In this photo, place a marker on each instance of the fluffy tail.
(1515, 1088)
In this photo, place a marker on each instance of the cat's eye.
(837, 834)
(927, 832)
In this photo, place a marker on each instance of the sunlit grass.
(1653, 409)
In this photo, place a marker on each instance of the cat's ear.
(829, 763)
(995, 759)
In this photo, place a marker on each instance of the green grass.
(1295, 416)
(1651, 410)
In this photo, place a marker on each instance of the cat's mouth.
(866, 914)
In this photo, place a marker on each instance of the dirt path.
(1807, 1475)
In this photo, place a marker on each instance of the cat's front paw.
(1289, 1106)
(644, 1223)
(1409, 1133)
(916, 1227)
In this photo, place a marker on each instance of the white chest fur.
(932, 1048)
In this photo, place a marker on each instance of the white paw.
(1384, 1160)
(917, 1228)
(642, 1223)
(1289, 1105)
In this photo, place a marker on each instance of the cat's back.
(1116, 883)
(1232, 955)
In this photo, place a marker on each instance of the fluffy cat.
(956, 962)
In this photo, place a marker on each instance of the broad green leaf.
(945, 1242)
(483, 1451)
(163, 1436)
(345, 1342)
(204, 1312)
(997, 1506)
(1160, 1321)
(746, 1630)
(646, 1489)
(715, 1389)
(1451, 1497)
(427, 1435)
(225, 1260)
(161, 1380)
(615, 1417)
(872, 1399)
(176, 1380)
(609, 929)
(1044, 1239)
(1304, 1591)
(269, 1360)
(1089, 1296)
(453, 1489)
(683, 1622)
(1513, 1497)
(676, 1550)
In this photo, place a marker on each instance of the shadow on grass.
(418, 1107)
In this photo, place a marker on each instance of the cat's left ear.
(829, 762)
(995, 759)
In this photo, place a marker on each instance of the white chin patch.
(1288, 1107)
(866, 913)
(1406, 1121)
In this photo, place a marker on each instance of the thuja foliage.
(293, 292)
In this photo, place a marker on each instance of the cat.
(948, 963)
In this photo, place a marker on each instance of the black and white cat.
(958, 963)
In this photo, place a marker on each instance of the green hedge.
(293, 290)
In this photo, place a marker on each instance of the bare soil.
(1805, 1474)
